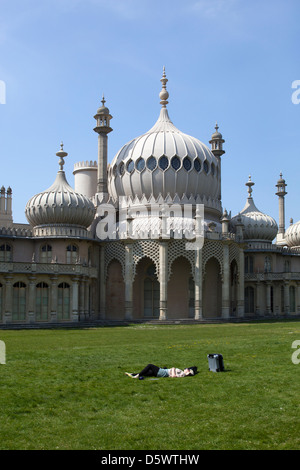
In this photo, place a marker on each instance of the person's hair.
(194, 369)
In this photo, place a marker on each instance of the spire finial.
(164, 95)
(103, 100)
(217, 127)
(249, 184)
(61, 154)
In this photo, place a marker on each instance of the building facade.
(146, 238)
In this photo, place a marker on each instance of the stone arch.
(115, 291)
(212, 289)
(233, 290)
(146, 289)
(179, 288)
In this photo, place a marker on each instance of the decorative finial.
(164, 95)
(217, 127)
(249, 184)
(61, 153)
(103, 100)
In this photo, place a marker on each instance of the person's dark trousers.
(149, 371)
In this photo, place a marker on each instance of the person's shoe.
(133, 376)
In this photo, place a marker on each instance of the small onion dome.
(292, 235)
(257, 225)
(217, 134)
(103, 109)
(60, 206)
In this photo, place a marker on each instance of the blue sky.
(231, 61)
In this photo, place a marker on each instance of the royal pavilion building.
(145, 238)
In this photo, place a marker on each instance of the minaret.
(102, 128)
(6, 219)
(281, 192)
(217, 142)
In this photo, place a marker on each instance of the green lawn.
(66, 388)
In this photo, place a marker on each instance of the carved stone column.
(163, 280)
(226, 282)
(128, 281)
(8, 299)
(241, 285)
(198, 284)
(53, 311)
(31, 300)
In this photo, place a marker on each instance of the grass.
(66, 389)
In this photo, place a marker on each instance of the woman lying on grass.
(153, 371)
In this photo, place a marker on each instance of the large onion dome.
(165, 162)
(257, 225)
(59, 210)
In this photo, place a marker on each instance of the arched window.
(248, 264)
(46, 254)
(72, 254)
(41, 302)
(151, 293)
(19, 301)
(286, 266)
(292, 299)
(63, 301)
(5, 252)
(249, 299)
(268, 265)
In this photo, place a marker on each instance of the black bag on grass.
(215, 362)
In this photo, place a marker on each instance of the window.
(41, 302)
(130, 166)
(63, 301)
(151, 163)
(292, 299)
(268, 265)
(140, 164)
(206, 166)
(121, 168)
(163, 163)
(187, 164)
(5, 252)
(175, 162)
(72, 254)
(46, 254)
(19, 301)
(248, 264)
(286, 266)
(197, 165)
